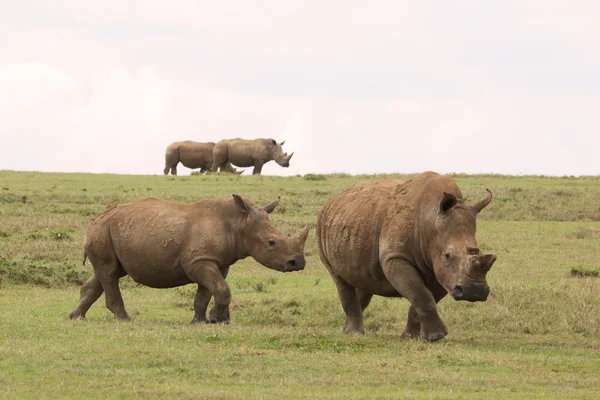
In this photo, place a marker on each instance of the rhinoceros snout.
(295, 264)
(473, 292)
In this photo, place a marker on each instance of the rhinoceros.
(249, 153)
(192, 155)
(163, 244)
(413, 239)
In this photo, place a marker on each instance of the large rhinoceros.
(413, 239)
(193, 155)
(249, 153)
(163, 244)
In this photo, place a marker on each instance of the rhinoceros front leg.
(413, 323)
(202, 299)
(207, 275)
(258, 164)
(408, 282)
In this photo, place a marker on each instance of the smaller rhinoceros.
(249, 153)
(163, 244)
(192, 155)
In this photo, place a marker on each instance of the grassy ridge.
(536, 337)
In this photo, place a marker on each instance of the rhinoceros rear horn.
(303, 234)
(480, 205)
(290, 156)
(271, 206)
(487, 261)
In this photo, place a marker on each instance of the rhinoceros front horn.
(480, 205)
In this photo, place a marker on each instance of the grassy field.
(538, 335)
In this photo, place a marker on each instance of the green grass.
(538, 335)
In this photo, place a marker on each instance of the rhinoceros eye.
(448, 257)
(272, 243)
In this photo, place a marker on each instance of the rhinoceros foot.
(219, 314)
(77, 317)
(411, 334)
(433, 332)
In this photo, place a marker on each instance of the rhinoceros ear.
(271, 206)
(282, 143)
(243, 205)
(274, 142)
(447, 202)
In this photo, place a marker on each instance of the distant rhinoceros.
(249, 153)
(193, 155)
(163, 244)
(414, 239)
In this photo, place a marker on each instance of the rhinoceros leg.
(202, 299)
(364, 299)
(114, 299)
(90, 291)
(207, 274)
(413, 323)
(408, 282)
(258, 164)
(351, 306)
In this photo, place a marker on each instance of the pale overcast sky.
(502, 86)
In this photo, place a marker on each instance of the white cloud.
(508, 87)
(34, 84)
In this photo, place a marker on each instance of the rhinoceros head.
(265, 243)
(279, 156)
(458, 264)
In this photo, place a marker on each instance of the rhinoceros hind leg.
(90, 291)
(114, 299)
(201, 301)
(207, 275)
(413, 325)
(351, 306)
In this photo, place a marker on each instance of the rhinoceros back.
(350, 223)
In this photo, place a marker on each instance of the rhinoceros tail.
(84, 258)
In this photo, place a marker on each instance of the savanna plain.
(537, 336)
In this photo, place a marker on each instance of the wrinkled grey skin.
(413, 239)
(162, 244)
(192, 155)
(249, 153)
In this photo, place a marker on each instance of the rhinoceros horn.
(302, 235)
(480, 205)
